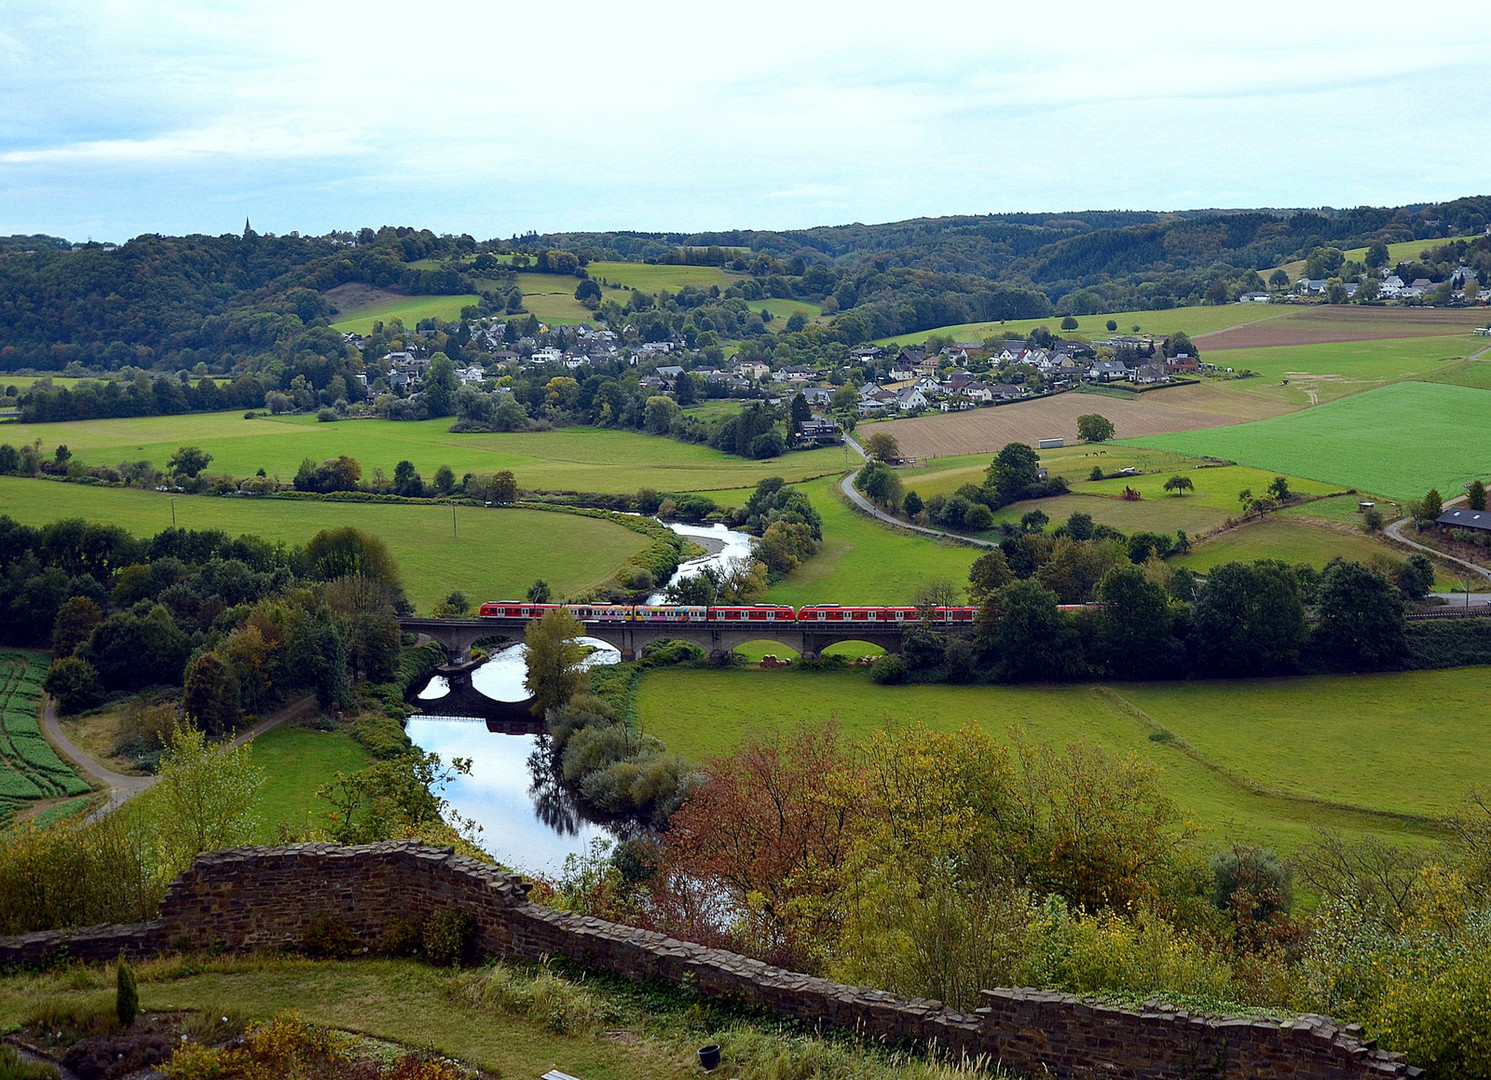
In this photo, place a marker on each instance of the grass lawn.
(1335, 729)
(1289, 540)
(1399, 440)
(410, 1003)
(584, 459)
(865, 563)
(653, 279)
(497, 552)
(298, 760)
(409, 308)
(1191, 320)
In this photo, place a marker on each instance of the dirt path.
(122, 788)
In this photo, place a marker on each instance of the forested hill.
(1069, 246)
(237, 302)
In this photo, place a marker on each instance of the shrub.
(126, 995)
(449, 938)
(404, 935)
(330, 936)
(889, 670)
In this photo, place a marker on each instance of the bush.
(540, 996)
(330, 936)
(74, 683)
(126, 996)
(889, 670)
(449, 938)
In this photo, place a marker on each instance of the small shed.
(1050, 444)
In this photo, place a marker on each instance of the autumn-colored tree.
(766, 836)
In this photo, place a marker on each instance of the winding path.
(864, 504)
(123, 787)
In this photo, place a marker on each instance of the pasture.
(551, 297)
(1398, 440)
(649, 278)
(410, 309)
(578, 459)
(782, 310)
(862, 562)
(29, 768)
(495, 552)
(1270, 761)
(1291, 540)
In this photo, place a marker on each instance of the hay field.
(1325, 324)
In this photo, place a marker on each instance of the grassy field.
(585, 459)
(865, 563)
(782, 310)
(1273, 759)
(298, 760)
(25, 382)
(1399, 440)
(1396, 253)
(411, 309)
(497, 552)
(653, 279)
(1324, 372)
(1291, 541)
(1475, 374)
(29, 767)
(1191, 320)
(400, 1000)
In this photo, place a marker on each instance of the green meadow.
(1399, 440)
(584, 459)
(297, 761)
(1290, 541)
(862, 562)
(410, 309)
(1320, 373)
(494, 552)
(648, 278)
(1262, 761)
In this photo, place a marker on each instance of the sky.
(119, 117)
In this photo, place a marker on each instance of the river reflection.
(528, 820)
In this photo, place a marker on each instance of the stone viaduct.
(808, 639)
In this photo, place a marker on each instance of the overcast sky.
(125, 116)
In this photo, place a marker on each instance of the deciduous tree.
(555, 660)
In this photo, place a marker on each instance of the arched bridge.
(808, 639)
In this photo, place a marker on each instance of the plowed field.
(986, 430)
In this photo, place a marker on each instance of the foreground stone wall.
(263, 898)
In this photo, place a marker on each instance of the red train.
(753, 613)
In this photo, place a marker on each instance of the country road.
(847, 485)
(1395, 530)
(122, 787)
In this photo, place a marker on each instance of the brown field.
(1159, 412)
(1325, 324)
(355, 294)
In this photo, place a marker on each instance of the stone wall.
(260, 898)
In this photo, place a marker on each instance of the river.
(525, 819)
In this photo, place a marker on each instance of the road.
(847, 484)
(1395, 530)
(122, 787)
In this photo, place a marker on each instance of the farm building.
(1464, 518)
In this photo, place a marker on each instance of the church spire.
(248, 231)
